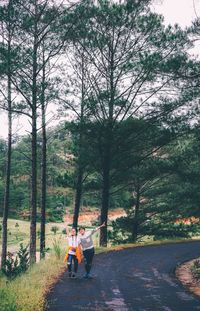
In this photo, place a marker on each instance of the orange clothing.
(77, 254)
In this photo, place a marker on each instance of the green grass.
(27, 292)
(17, 235)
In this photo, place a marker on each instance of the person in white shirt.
(73, 252)
(85, 239)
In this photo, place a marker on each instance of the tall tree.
(7, 15)
(38, 19)
(134, 60)
(74, 98)
(52, 48)
(44, 163)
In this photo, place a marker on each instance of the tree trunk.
(136, 220)
(78, 196)
(33, 212)
(44, 170)
(9, 151)
(108, 157)
(79, 183)
(105, 197)
(7, 185)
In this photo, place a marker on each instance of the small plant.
(23, 255)
(15, 265)
(195, 269)
(64, 231)
(38, 234)
(57, 248)
(44, 252)
(196, 264)
(17, 227)
(54, 229)
(10, 267)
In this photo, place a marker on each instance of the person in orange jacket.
(73, 255)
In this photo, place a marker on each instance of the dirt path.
(139, 279)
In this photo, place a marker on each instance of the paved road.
(138, 279)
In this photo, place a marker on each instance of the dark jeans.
(88, 257)
(72, 258)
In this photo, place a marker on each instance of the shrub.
(196, 264)
(54, 229)
(63, 231)
(195, 269)
(15, 265)
(56, 215)
(10, 268)
(172, 230)
(23, 255)
(29, 290)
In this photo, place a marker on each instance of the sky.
(174, 11)
(178, 11)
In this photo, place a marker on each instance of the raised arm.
(98, 228)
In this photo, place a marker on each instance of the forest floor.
(138, 279)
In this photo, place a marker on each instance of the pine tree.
(133, 59)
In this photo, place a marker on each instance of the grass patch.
(28, 292)
(7, 297)
(20, 234)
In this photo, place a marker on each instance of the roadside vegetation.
(28, 292)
